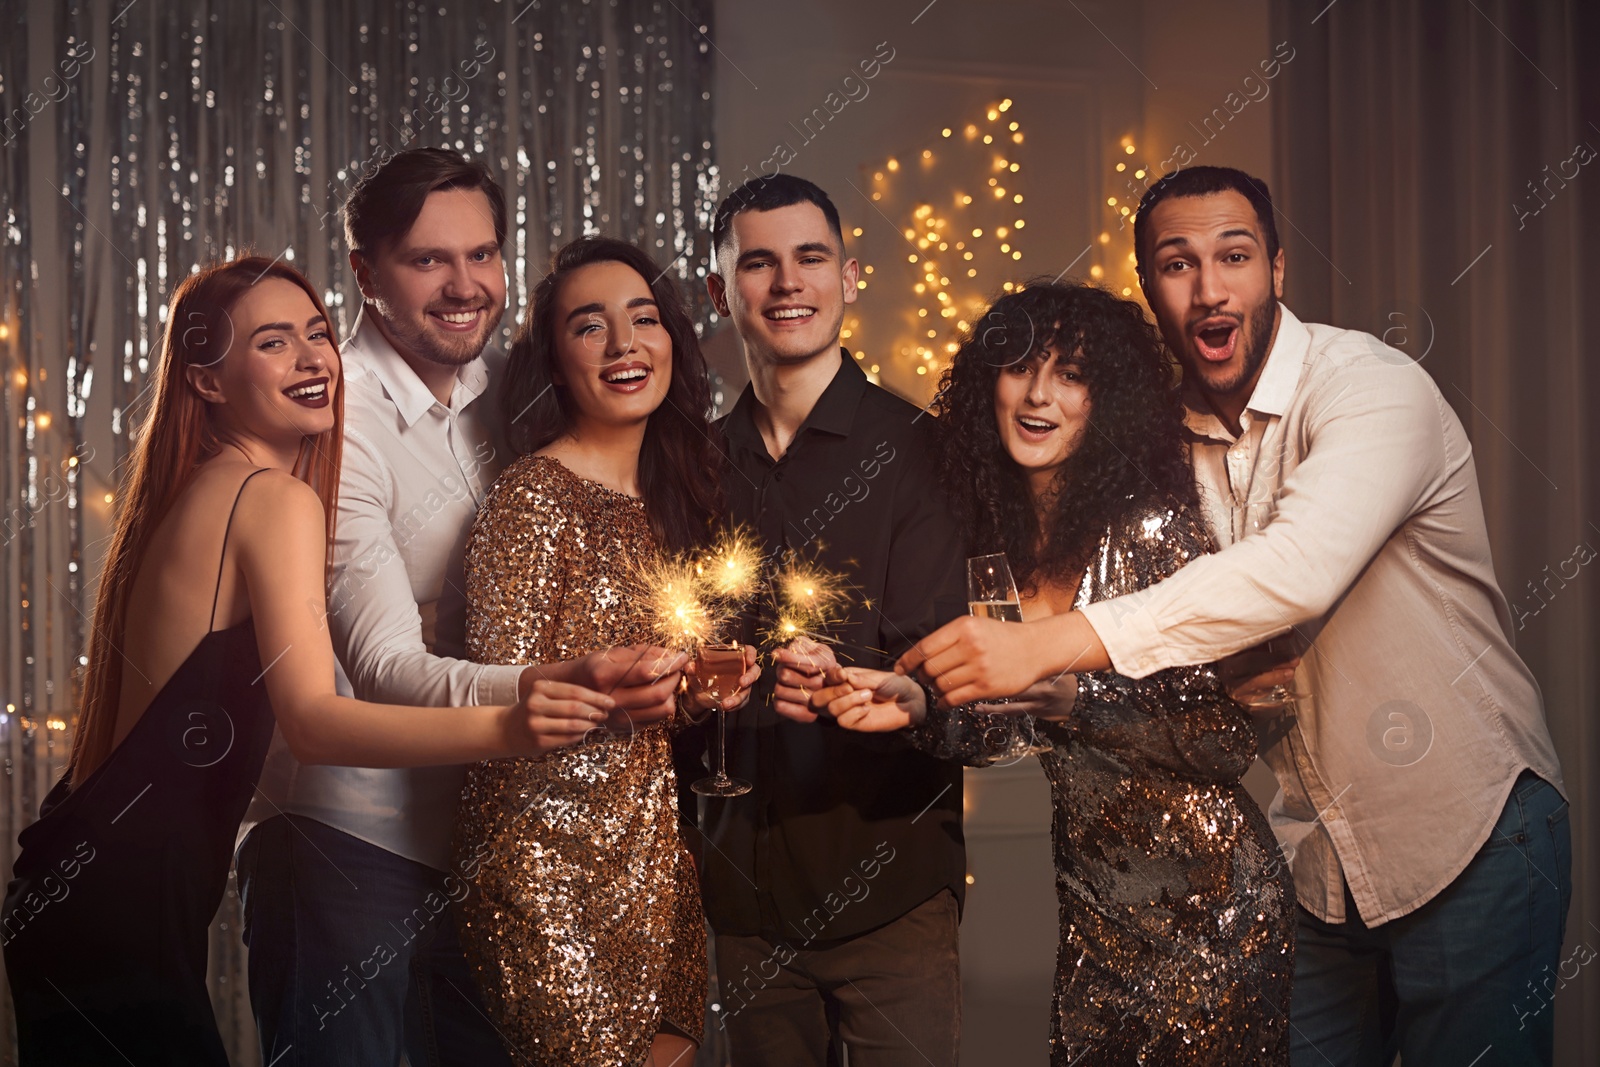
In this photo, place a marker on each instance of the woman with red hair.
(209, 627)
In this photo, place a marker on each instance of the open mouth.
(462, 321)
(790, 316)
(1035, 428)
(312, 393)
(626, 377)
(1216, 339)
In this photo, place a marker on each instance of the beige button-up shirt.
(413, 473)
(1348, 512)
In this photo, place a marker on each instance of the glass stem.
(722, 743)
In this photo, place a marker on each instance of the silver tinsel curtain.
(143, 138)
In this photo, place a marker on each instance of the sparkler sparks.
(693, 601)
(675, 603)
(732, 567)
(809, 599)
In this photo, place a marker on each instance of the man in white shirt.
(347, 880)
(1419, 799)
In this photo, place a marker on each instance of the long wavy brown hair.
(177, 435)
(679, 465)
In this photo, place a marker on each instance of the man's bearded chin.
(1259, 331)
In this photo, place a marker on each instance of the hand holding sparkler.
(642, 681)
(802, 666)
(809, 600)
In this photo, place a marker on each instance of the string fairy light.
(955, 237)
(1120, 273)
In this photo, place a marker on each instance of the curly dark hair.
(1131, 455)
(679, 466)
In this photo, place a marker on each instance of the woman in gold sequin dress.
(1060, 426)
(585, 926)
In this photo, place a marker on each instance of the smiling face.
(1213, 290)
(277, 381)
(784, 281)
(1041, 409)
(439, 290)
(613, 355)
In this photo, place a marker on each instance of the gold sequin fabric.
(585, 928)
(1177, 909)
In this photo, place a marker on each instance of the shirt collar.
(834, 412)
(368, 350)
(1280, 377)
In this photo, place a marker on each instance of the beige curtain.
(1437, 169)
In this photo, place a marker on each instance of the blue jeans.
(1460, 980)
(354, 955)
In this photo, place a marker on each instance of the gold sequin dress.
(1177, 909)
(585, 930)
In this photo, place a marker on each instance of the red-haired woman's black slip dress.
(105, 925)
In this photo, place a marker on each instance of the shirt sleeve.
(373, 616)
(1374, 454)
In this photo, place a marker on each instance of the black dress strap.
(223, 558)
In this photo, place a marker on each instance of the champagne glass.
(718, 668)
(992, 594)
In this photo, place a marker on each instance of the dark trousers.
(1468, 978)
(891, 997)
(353, 954)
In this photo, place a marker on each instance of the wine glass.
(992, 594)
(1275, 712)
(718, 668)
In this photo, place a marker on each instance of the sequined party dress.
(585, 931)
(1177, 911)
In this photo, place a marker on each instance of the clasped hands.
(614, 689)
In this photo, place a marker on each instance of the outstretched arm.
(1377, 452)
(281, 548)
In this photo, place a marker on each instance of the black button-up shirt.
(843, 832)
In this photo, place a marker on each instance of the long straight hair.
(176, 437)
(680, 468)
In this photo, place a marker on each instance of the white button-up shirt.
(1348, 509)
(414, 471)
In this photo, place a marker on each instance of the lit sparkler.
(731, 568)
(675, 603)
(809, 600)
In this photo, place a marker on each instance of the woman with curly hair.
(1061, 428)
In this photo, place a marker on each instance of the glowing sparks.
(694, 601)
(732, 567)
(675, 603)
(809, 600)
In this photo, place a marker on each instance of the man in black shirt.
(835, 886)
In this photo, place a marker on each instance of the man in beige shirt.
(1419, 802)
